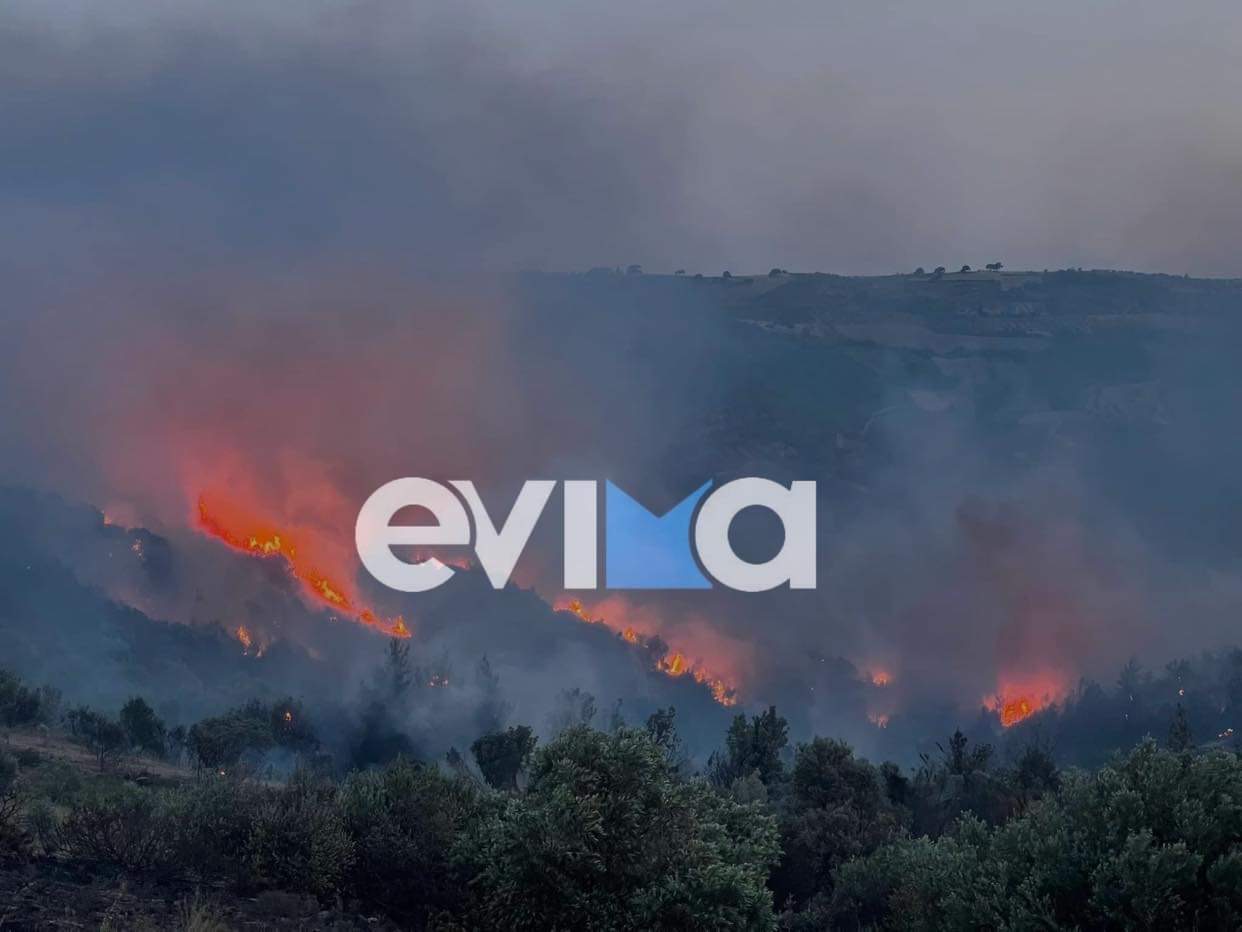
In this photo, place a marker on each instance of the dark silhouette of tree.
(753, 746)
(1180, 738)
(502, 755)
(143, 728)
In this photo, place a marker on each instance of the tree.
(995, 266)
(837, 809)
(405, 820)
(755, 745)
(1180, 738)
(219, 743)
(727, 274)
(606, 838)
(19, 704)
(1150, 842)
(398, 672)
(574, 707)
(964, 268)
(939, 270)
(104, 737)
(662, 728)
(502, 755)
(292, 727)
(144, 729)
(919, 271)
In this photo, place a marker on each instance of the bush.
(214, 818)
(1153, 841)
(43, 826)
(298, 840)
(404, 821)
(122, 826)
(14, 843)
(605, 837)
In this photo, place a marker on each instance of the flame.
(878, 719)
(674, 663)
(1018, 698)
(243, 635)
(257, 537)
(881, 678)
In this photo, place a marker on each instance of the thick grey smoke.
(467, 136)
(272, 252)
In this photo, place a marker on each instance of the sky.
(844, 137)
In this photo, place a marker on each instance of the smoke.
(272, 260)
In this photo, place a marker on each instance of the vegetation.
(615, 830)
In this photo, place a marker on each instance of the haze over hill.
(1023, 478)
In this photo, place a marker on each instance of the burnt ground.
(51, 895)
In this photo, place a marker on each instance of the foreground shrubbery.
(612, 831)
(1153, 841)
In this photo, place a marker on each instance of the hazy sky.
(850, 137)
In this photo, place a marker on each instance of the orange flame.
(1019, 697)
(881, 678)
(258, 538)
(674, 663)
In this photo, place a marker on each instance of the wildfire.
(258, 538)
(1012, 711)
(881, 678)
(250, 644)
(879, 720)
(1021, 698)
(674, 663)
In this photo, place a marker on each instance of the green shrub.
(1152, 842)
(122, 826)
(298, 840)
(404, 821)
(214, 817)
(606, 837)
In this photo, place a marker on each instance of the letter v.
(498, 551)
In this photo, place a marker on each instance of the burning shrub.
(405, 820)
(298, 840)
